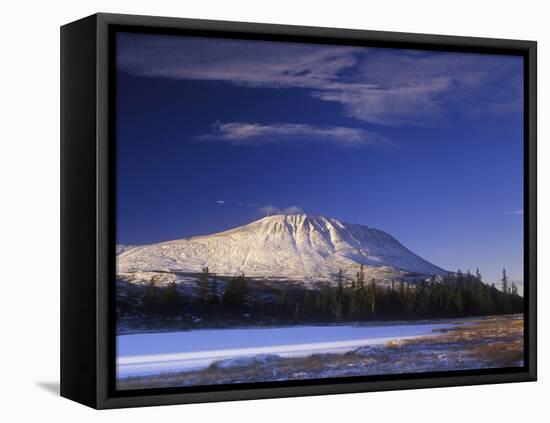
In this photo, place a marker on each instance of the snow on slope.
(298, 247)
(122, 248)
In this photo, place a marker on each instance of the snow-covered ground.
(154, 353)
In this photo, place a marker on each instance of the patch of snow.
(246, 360)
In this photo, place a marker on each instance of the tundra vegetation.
(483, 343)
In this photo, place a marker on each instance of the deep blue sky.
(426, 146)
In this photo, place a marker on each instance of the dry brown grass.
(494, 342)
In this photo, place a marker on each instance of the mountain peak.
(294, 246)
(291, 215)
(301, 218)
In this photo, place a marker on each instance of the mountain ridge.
(298, 247)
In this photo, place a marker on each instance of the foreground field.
(492, 342)
(170, 352)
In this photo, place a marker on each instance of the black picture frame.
(88, 210)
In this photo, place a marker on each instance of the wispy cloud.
(405, 88)
(248, 204)
(518, 212)
(392, 106)
(222, 202)
(269, 210)
(249, 133)
(253, 63)
(382, 86)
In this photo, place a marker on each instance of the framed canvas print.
(254, 211)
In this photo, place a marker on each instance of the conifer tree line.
(455, 295)
(206, 293)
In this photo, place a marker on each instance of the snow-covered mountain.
(122, 248)
(296, 247)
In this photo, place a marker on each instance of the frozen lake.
(153, 353)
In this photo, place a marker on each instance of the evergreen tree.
(317, 303)
(354, 304)
(372, 297)
(457, 294)
(170, 297)
(487, 304)
(505, 303)
(307, 302)
(325, 299)
(213, 290)
(402, 292)
(478, 275)
(283, 298)
(150, 296)
(339, 297)
(357, 294)
(235, 292)
(202, 288)
(360, 279)
(422, 299)
(338, 309)
(458, 300)
(408, 302)
(469, 292)
(297, 311)
(340, 283)
(504, 281)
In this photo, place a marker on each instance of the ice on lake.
(154, 353)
